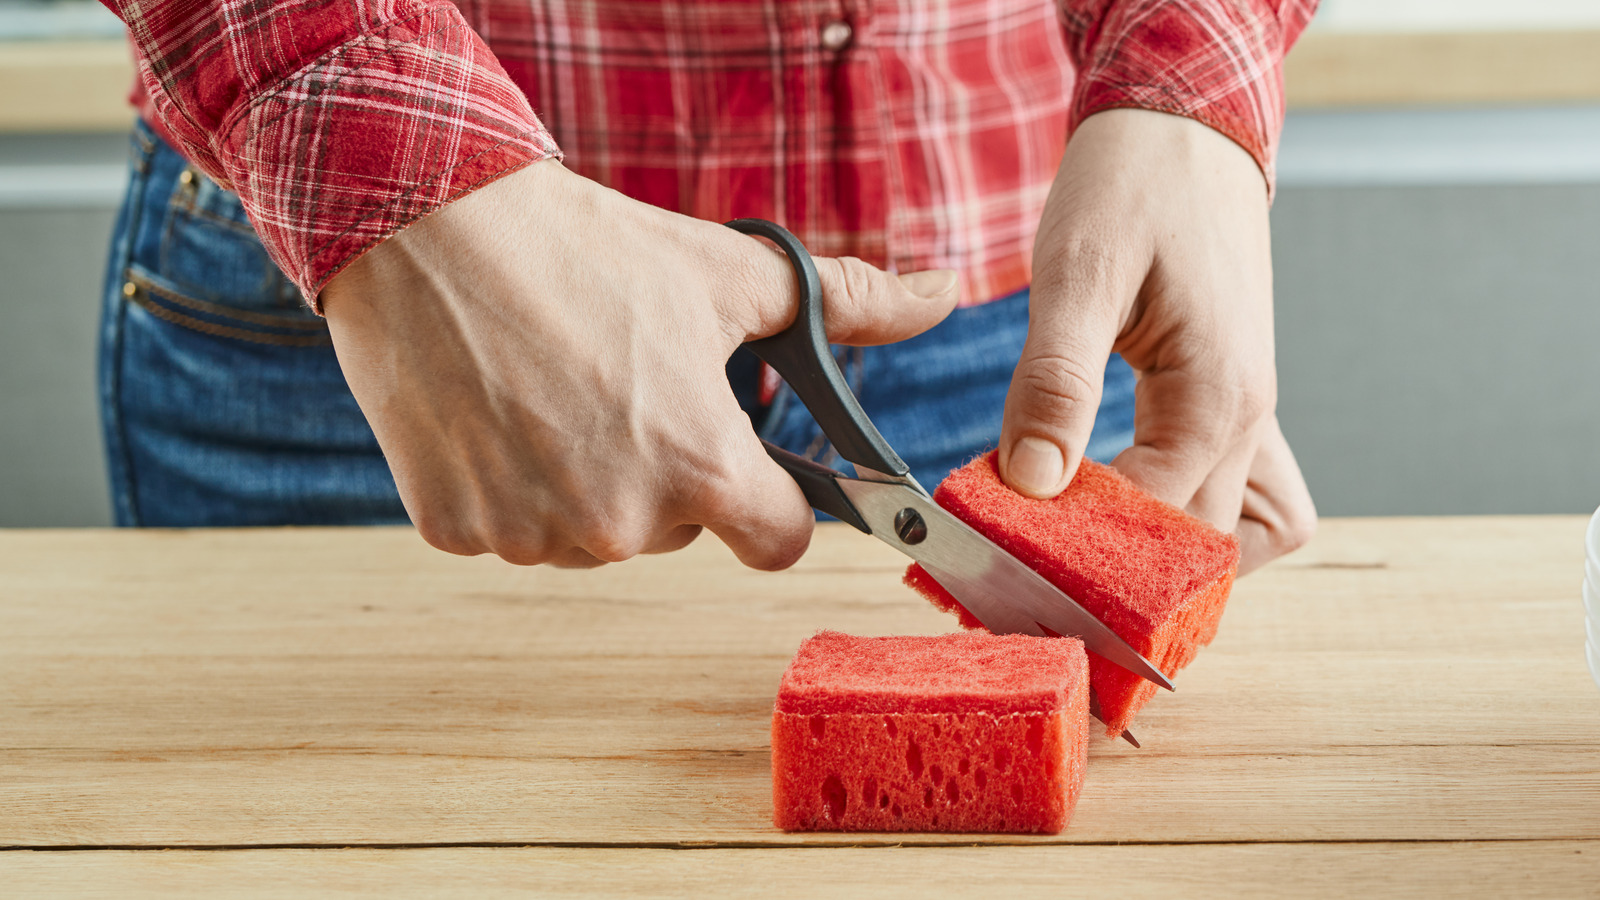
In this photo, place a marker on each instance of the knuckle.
(710, 503)
(608, 534)
(1059, 382)
(851, 286)
(675, 539)
(860, 279)
(1234, 404)
(1299, 531)
(1089, 264)
(1257, 398)
(441, 533)
(706, 491)
(518, 541)
(611, 545)
(575, 559)
(779, 553)
(758, 287)
(522, 550)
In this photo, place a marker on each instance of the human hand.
(542, 363)
(1154, 244)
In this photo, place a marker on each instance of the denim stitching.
(216, 329)
(217, 309)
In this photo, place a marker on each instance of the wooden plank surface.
(1398, 680)
(1564, 869)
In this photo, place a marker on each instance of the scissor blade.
(1005, 595)
(1094, 710)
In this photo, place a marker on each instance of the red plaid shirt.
(911, 133)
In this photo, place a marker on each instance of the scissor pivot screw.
(909, 525)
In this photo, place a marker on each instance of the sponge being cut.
(955, 732)
(1156, 575)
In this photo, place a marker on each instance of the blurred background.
(1436, 237)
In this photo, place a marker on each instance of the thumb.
(1054, 395)
(863, 305)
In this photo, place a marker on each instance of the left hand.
(1154, 244)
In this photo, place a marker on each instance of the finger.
(1055, 390)
(1278, 515)
(751, 504)
(575, 558)
(579, 558)
(1185, 422)
(1221, 496)
(865, 306)
(861, 303)
(676, 539)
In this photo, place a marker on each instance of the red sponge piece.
(957, 732)
(1156, 575)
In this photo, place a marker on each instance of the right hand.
(542, 362)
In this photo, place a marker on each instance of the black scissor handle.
(800, 354)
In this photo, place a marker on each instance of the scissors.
(883, 500)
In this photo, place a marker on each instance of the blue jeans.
(222, 402)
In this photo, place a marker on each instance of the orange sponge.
(1156, 575)
(956, 732)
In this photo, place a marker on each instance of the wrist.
(398, 268)
(1174, 142)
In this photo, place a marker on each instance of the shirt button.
(836, 35)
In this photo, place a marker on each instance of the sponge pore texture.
(1156, 575)
(958, 732)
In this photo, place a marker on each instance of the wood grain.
(1331, 69)
(1562, 869)
(1398, 680)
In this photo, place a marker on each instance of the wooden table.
(1401, 708)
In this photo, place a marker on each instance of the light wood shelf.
(68, 86)
(1469, 68)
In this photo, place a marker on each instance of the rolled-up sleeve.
(1219, 62)
(338, 123)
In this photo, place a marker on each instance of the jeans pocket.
(210, 252)
(167, 301)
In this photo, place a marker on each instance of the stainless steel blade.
(1094, 710)
(1005, 595)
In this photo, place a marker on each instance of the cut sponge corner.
(968, 732)
(1156, 575)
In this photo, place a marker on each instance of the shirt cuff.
(1219, 62)
(371, 136)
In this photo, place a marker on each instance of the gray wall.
(50, 458)
(53, 232)
(1438, 314)
(1439, 347)
(1439, 310)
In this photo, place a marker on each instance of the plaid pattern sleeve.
(912, 133)
(338, 122)
(1216, 61)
